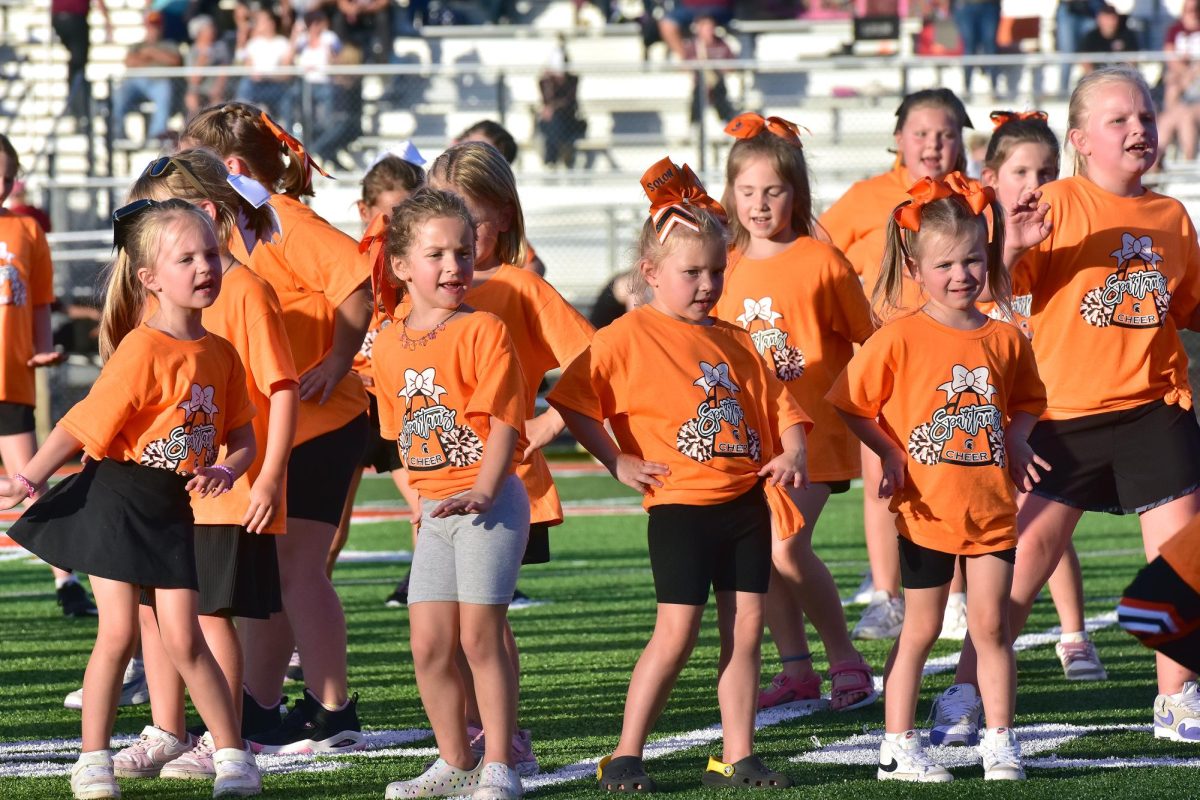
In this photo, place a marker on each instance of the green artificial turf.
(578, 648)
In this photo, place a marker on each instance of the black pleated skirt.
(116, 520)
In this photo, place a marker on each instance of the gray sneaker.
(882, 619)
(134, 691)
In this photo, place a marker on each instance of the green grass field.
(578, 649)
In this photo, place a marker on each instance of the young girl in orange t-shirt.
(452, 396)
(323, 286)
(700, 421)
(805, 310)
(1114, 270)
(946, 397)
(929, 143)
(236, 560)
(546, 330)
(168, 397)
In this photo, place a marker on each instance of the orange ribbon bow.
(978, 196)
(749, 125)
(1004, 117)
(374, 246)
(923, 192)
(674, 193)
(297, 147)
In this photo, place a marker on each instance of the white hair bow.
(405, 151)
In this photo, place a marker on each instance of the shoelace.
(956, 707)
(919, 758)
(879, 612)
(1005, 751)
(95, 772)
(1074, 652)
(1190, 700)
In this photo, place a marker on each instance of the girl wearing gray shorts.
(450, 394)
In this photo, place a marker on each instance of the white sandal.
(440, 780)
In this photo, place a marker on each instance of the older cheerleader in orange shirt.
(700, 423)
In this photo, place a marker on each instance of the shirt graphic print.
(771, 342)
(968, 430)
(1135, 295)
(719, 429)
(12, 288)
(195, 437)
(429, 436)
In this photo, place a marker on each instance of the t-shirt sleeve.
(386, 393)
(270, 354)
(123, 387)
(1186, 296)
(41, 269)
(237, 400)
(866, 382)
(326, 260)
(840, 221)
(500, 385)
(849, 311)
(592, 385)
(1027, 392)
(564, 331)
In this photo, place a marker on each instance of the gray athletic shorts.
(474, 558)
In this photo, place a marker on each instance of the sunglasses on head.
(163, 165)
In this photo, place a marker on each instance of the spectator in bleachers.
(1072, 20)
(206, 50)
(336, 100)
(1180, 118)
(174, 18)
(559, 122)
(674, 25)
(708, 45)
(152, 51)
(69, 18)
(367, 24)
(977, 22)
(1149, 19)
(266, 48)
(1109, 36)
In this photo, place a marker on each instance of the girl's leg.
(785, 620)
(675, 630)
(902, 675)
(1066, 589)
(879, 524)
(176, 610)
(162, 679)
(740, 619)
(343, 529)
(116, 634)
(222, 639)
(1159, 525)
(483, 630)
(1044, 527)
(267, 645)
(434, 633)
(990, 579)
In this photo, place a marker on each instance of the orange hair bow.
(978, 196)
(674, 193)
(923, 192)
(1004, 117)
(374, 246)
(749, 125)
(297, 147)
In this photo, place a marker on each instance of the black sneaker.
(399, 597)
(75, 601)
(256, 719)
(311, 728)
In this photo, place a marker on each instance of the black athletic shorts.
(320, 471)
(15, 418)
(924, 568)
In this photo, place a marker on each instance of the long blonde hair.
(479, 171)
(1078, 109)
(140, 237)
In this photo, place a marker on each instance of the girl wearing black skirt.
(169, 396)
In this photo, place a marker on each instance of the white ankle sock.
(61, 582)
(1073, 638)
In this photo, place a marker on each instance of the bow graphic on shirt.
(421, 384)
(758, 309)
(201, 400)
(712, 377)
(1137, 247)
(968, 380)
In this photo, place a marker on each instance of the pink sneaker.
(195, 764)
(786, 689)
(146, 757)
(524, 761)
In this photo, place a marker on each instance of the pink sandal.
(853, 686)
(786, 689)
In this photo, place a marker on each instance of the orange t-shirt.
(26, 280)
(805, 310)
(437, 399)
(944, 395)
(1111, 286)
(248, 315)
(362, 365)
(313, 268)
(1182, 552)
(1019, 304)
(547, 333)
(697, 398)
(163, 402)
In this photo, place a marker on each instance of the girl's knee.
(483, 643)
(433, 652)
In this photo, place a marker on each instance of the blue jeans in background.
(977, 23)
(133, 91)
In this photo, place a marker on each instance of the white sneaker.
(498, 782)
(954, 621)
(237, 773)
(957, 714)
(882, 619)
(862, 594)
(196, 764)
(1001, 754)
(134, 691)
(92, 776)
(146, 757)
(903, 759)
(440, 780)
(1177, 716)
(1080, 662)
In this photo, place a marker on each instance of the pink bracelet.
(227, 471)
(30, 489)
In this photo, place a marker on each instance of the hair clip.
(749, 125)
(383, 295)
(405, 151)
(297, 147)
(124, 215)
(250, 190)
(675, 192)
(1004, 117)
